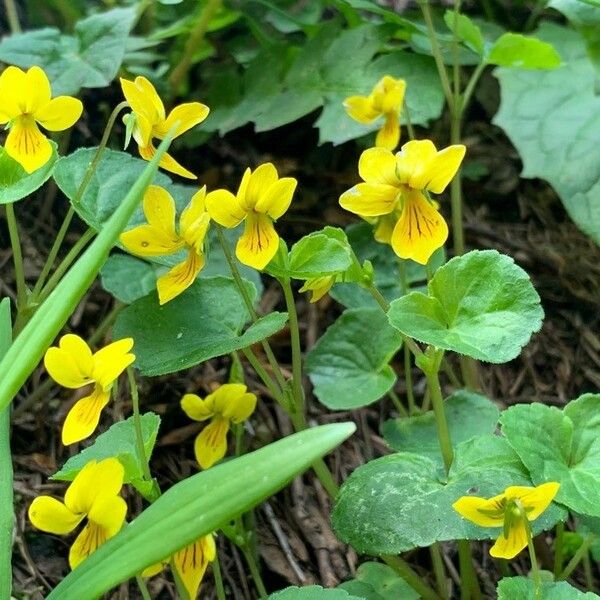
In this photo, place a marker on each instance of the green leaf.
(562, 446)
(545, 114)
(466, 30)
(203, 323)
(16, 183)
(127, 278)
(90, 58)
(468, 415)
(480, 304)
(523, 588)
(196, 507)
(379, 582)
(118, 441)
(312, 592)
(403, 501)
(348, 366)
(517, 51)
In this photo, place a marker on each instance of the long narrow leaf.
(197, 506)
(29, 347)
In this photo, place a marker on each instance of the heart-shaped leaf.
(523, 588)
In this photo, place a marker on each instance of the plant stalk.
(15, 243)
(411, 577)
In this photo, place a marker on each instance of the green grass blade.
(197, 506)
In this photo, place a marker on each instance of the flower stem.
(578, 556)
(258, 582)
(216, 568)
(12, 16)
(408, 378)
(469, 584)
(558, 548)
(411, 577)
(266, 378)
(535, 570)
(143, 587)
(15, 242)
(438, 570)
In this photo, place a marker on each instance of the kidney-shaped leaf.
(204, 322)
(403, 501)
(523, 588)
(480, 304)
(562, 446)
(348, 366)
(312, 592)
(127, 278)
(376, 581)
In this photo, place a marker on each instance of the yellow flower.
(190, 562)
(507, 511)
(160, 237)
(26, 100)
(385, 100)
(230, 403)
(394, 184)
(151, 120)
(261, 199)
(94, 493)
(73, 365)
(319, 286)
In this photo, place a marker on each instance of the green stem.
(254, 571)
(398, 404)
(12, 16)
(139, 435)
(578, 556)
(469, 584)
(13, 232)
(455, 49)
(558, 548)
(409, 126)
(535, 570)
(411, 577)
(60, 236)
(143, 587)
(587, 571)
(216, 567)
(408, 378)
(271, 385)
(470, 87)
(196, 37)
(439, 570)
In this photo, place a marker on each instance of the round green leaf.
(468, 415)
(523, 588)
(127, 278)
(348, 366)
(403, 501)
(16, 183)
(376, 581)
(480, 304)
(312, 592)
(562, 446)
(204, 322)
(517, 51)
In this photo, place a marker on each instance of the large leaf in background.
(196, 507)
(480, 304)
(468, 415)
(127, 278)
(376, 581)
(348, 366)
(16, 183)
(91, 57)
(312, 592)
(403, 501)
(523, 588)
(553, 119)
(562, 446)
(204, 322)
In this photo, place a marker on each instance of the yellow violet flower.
(395, 184)
(230, 403)
(385, 100)
(151, 120)
(94, 493)
(261, 199)
(160, 237)
(506, 511)
(190, 562)
(73, 365)
(318, 286)
(26, 100)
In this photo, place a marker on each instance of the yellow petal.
(444, 167)
(211, 443)
(143, 99)
(233, 402)
(509, 547)
(389, 135)
(12, 80)
(142, 129)
(384, 227)
(87, 542)
(167, 162)
(71, 364)
(277, 198)
(361, 109)
(390, 94)
(38, 89)
(535, 500)
(151, 98)
(471, 507)
(196, 408)
(260, 180)
(241, 193)
(154, 569)
(378, 165)
(98, 479)
(224, 208)
(224, 395)
(60, 113)
(188, 115)
(84, 417)
(108, 512)
(48, 514)
(191, 563)
(370, 199)
(318, 286)
(180, 277)
(195, 221)
(259, 242)
(413, 163)
(420, 231)
(111, 361)
(159, 210)
(27, 144)
(146, 240)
